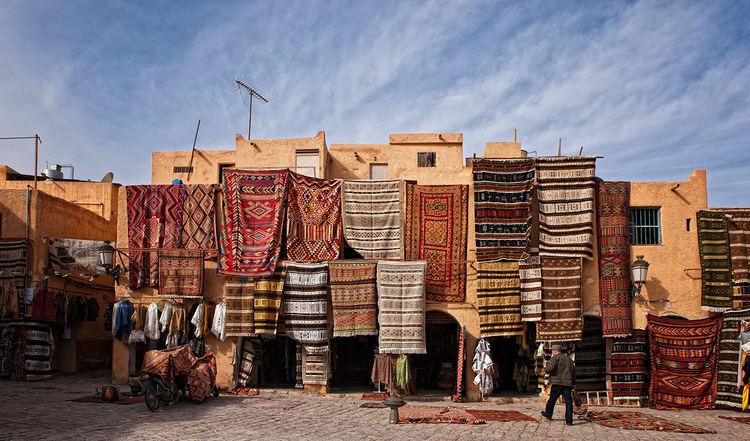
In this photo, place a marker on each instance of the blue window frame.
(645, 226)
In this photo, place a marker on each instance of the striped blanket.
(561, 300)
(716, 268)
(590, 357)
(372, 218)
(181, 273)
(314, 219)
(315, 365)
(401, 307)
(629, 368)
(530, 272)
(306, 305)
(739, 244)
(729, 388)
(499, 299)
(240, 301)
(267, 305)
(354, 297)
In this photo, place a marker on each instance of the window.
(308, 162)
(182, 169)
(378, 171)
(645, 226)
(223, 167)
(426, 159)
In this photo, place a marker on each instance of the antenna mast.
(241, 85)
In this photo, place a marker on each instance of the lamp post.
(639, 269)
(107, 261)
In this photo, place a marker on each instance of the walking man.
(561, 374)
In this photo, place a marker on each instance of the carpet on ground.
(125, 399)
(504, 416)
(739, 419)
(436, 414)
(639, 421)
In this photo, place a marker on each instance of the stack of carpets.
(562, 304)
(683, 362)
(401, 307)
(729, 388)
(499, 299)
(530, 273)
(239, 298)
(629, 368)
(34, 350)
(354, 297)
(614, 258)
(314, 214)
(306, 305)
(372, 218)
(502, 208)
(181, 273)
(435, 230)
(716, 268)
(254, 207)
(267, 302)
(590, 357)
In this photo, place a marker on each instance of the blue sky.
(657, 88)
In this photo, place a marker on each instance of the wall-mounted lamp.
(639, 269)
(107, 261)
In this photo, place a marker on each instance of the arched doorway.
(435, 371)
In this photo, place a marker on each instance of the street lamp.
(639, 269)
(106, 260)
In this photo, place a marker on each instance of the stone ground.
(41, 410)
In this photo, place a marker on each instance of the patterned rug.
(739, 244)
(629, 368)
(375, 396)
(240, 300)
(729, 392)
(154, 221)
(401, 307)
(267, 306)
(739, 419)
(683, 362)
(499, 299)
(590, 357)
(561, 300)
(639, 421)
(614, 258)
(198, 219)
(372, 218)
(565, 188)
(716, 268)
(315, 365)
(458, 396)
(436, 414)
(503, 416)
(13, 264)
(502, 207)
(354, 297)
(254, 207)
(435, 230)
(306, 305)
(181, 273)
(530, 272)
(38, 349)
(314, 213)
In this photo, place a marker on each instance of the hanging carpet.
(738, 225)
(502, 207)
(716, 268)
(181, 273)
(240, 301)
(267, 304)
(13, 267)
(629, 368)
(683, 362)
(401, 307)
(354, 297)
(306, 305)
(499, 299)
(729, 384)
(458, 396)
(314, 213)
(198, 219)
(530, 272)
(562, 318)
(590, 358)
(435, 230)
(372, 218)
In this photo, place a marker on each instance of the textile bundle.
(240, 301)
(590, 358)
(683, 362)
(354, 297)
(306, 305)
(499, 299)
(614, 258)
(435, 231)
(314, 212)
(502, 207)
(198, 219)
(268, 292)
(181, 273)
(315, 365)
(372, 218)
(13, 266)
(716, 269)
(629, 368)
(565, 189)
(530, 272)
(561, 300)
(26, 350)
(729, 385)
(401, 307)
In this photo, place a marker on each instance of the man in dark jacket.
(561, 375)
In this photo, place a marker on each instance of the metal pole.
(250, 117)
(36, 158)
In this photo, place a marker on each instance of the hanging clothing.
(403, 375)
(8, 301)
(218, 325)
(176, 327)
(151, 327)
(124, 322)
(166, 315)
(482, 367)
(383, 371)
(108, 310)
(206, 319)
(197, 320)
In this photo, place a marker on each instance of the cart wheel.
(216, 392)
(151, 397)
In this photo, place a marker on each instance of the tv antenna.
(241, 85)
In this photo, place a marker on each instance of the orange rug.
(503, 416)
(436, 414)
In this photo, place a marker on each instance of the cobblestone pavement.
(42, 410)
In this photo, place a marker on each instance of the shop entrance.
(352, 359)
(435, 371)
(590, 357)
(274, 362)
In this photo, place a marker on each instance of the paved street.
(42, 411)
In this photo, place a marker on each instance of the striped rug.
(729, 392)
(306, 305)
(629, 368)
(267, 305)
(354, 297)
(401, 307)
(499, 299)
(315, 365)
(565, 188)
(502, 207)
(716, 268)
(240, 300)
(372, 218)
(14, 255)
(530, 272)
(590, 357)
(181, 273)
(739, 251)
(562, 318)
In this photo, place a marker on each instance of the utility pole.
(37, 141)
(253, 93)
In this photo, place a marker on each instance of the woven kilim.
(716, 268)
(181, 273)
(314, 212)
(590, 357)
(729, 388)
(401, 307)
(253, 220)
(639, 421)
(502, 207)
(565, 189)
(614, 258)
(562, 318)
(154, 222)
(530, 272)
(14, 254)
(739, 243)
(306, 305)
(499, 299)
(458, 396)
(435, 231)
(268, 292)
(683, 362)
(198, 219)
(629, 368)
(315, 365)
(354, 297)
(372, 218)
(39, 351)
(240, 300)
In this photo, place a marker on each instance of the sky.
(656, 88)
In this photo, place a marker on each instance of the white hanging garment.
(197, 319)
(218, 325)
(166, 314)
(482, 367)
(151, 326)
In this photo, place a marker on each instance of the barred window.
(426, 159)
(182, 169)
(645, 226)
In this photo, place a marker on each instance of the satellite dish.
(109, 177)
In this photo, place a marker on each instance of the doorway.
(352, 359)
(435, 371)
(590, 357)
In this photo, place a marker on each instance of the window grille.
(426, 159)
(182, 169)
(645, 226)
